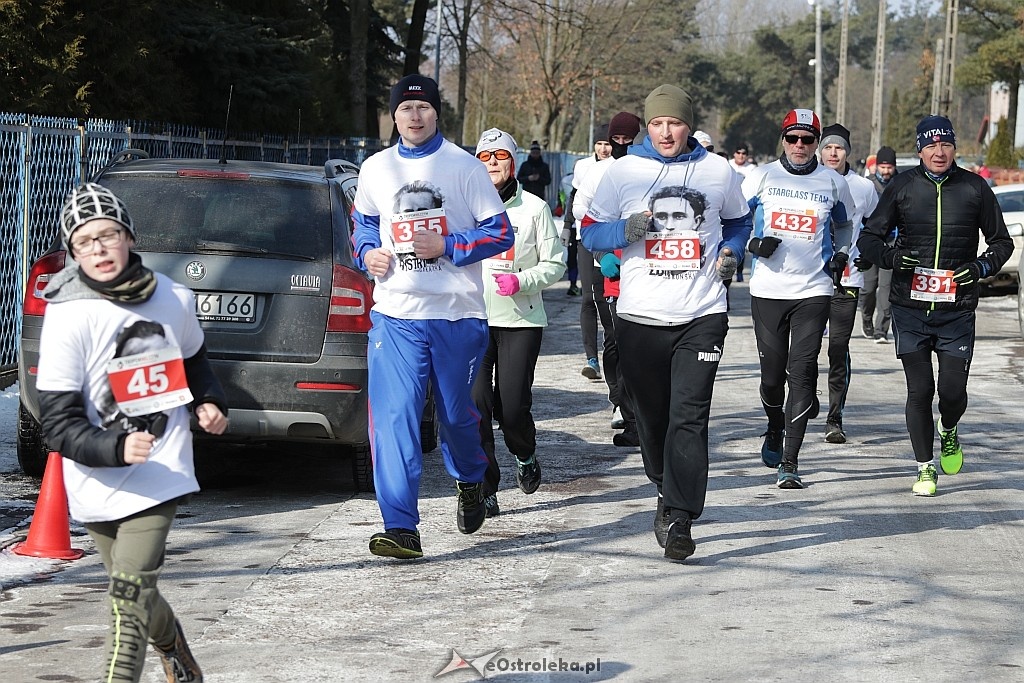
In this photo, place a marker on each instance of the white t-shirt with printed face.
(866, 198)
(448, 191)
(798, 210)
(670, 275)
(79, 339)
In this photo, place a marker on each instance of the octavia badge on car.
(305, 283)
(195, 270)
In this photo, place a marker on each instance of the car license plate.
(226, 307)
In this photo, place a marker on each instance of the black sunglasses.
(806, 139)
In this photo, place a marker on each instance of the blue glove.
(610, 265)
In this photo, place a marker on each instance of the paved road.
(850, 579)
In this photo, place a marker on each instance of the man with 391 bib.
(429, 317)
(940, 210)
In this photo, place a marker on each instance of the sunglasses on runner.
(806, 139)
(499, 154)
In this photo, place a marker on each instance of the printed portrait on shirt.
(139, 337)
(676, 210)
(418, 195)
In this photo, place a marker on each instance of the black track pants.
(788, 336)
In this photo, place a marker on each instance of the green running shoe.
(927, 481)
(952, 457)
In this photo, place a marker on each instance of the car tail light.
(42, 271)
(351, 299)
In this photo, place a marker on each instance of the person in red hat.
(121, 357)
(802, 234)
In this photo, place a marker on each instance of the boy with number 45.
(121, 357)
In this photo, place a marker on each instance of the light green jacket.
(536, 259)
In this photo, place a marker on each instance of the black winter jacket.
(941, 221)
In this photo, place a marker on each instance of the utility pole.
(949, 62)
(876, 96)
(844, 40)
(818, 105)
(437, 47)
(937, 77)
(593, 101)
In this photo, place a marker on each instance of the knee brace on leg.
(129, 625)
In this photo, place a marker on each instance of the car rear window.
(258, 215)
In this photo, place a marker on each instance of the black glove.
(636, 227)
(862, 264)
(837, 265)
(727, 264)
(968, 274)
(763, 246)
(901, 259)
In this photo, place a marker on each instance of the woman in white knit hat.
(513, 281)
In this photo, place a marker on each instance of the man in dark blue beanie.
(425, 215)
(415, 87)
(939, 210)
(933, 129)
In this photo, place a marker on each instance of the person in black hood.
(535, 174)
(939, 209)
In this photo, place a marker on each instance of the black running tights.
(953, 373)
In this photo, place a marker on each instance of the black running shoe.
(402, 544)
(771, 449)
(471, 510)
(661, 522)
(491, 504)
(834, 432)
(628, 438)
(528, 474)
(679, 545)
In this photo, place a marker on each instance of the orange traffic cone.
(49, 535)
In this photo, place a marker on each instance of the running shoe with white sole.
(788, 477)
(951, 458)
(927, 481)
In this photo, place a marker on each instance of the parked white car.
(1011, 202)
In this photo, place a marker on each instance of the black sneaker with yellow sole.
(402, 544)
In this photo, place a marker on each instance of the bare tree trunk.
(465, 21)
(359, 21)
(413, 46)
(414, 41)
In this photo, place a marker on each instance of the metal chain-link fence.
(43, 158)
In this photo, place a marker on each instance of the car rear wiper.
(232, 248)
